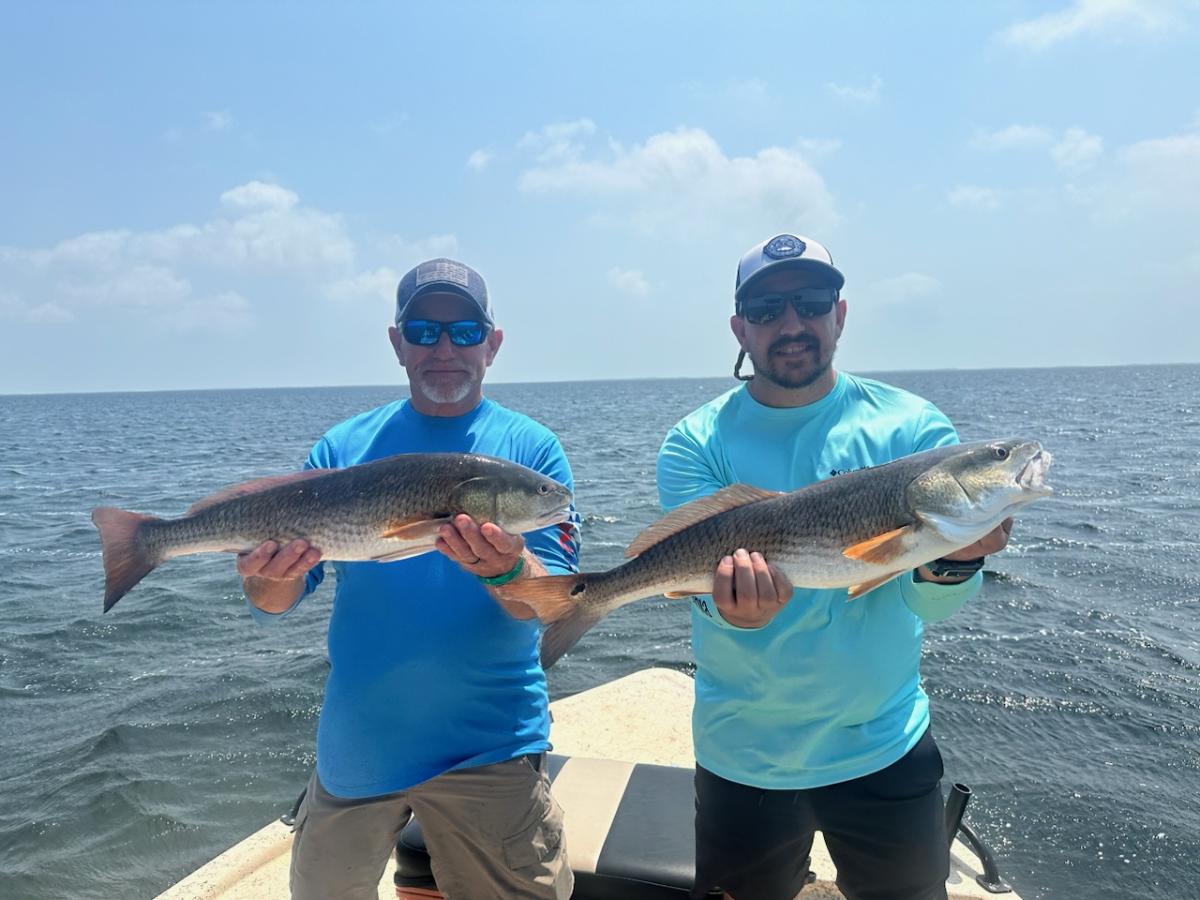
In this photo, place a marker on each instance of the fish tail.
(126, 560)
(562, 602)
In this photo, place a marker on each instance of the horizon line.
(487, 382)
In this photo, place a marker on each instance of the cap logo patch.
(443, 271)
(784, 246)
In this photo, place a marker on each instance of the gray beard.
(445, 393)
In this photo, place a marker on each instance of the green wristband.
(508, 576)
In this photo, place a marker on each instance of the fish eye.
(543, 488)
(1000, 452)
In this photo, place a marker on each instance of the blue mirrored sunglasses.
(810, 303)
(427, 332)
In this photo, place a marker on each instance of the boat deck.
(644, 717)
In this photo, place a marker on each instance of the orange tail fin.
(560, 602)
(126, 562)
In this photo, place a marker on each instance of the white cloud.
(680, 181)
(218, 120)
(901, 289)
(971, 196)
(1163, 173)
(479, 160)
(1077, 150)
(182, 276)
(50, 314)
(259, 195)
(1012, 138)
(818, 147)
(1091, 17)
(377, 285)
(558, 141)
(628, 281)
(138, 286)
(403, 254)
(224, 313)
(868, 94)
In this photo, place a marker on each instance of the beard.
(795, 372)
(444, 390)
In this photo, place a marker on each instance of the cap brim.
(823, 274)
(444, 287)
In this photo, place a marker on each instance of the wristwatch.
(951, 568)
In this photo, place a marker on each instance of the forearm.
(531, 568)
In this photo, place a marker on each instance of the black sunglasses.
(427, 332)
(809, 303)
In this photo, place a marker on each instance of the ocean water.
(135, 746)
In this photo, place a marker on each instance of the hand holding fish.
(992, 542)
(748, 590)
(488, 550)
(485, 550)
(273, 575)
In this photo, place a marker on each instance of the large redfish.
(383, 510)
(854, 531)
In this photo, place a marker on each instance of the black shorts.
(885, 833)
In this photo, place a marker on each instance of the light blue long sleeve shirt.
(828, 690)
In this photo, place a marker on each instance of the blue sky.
(204, 195)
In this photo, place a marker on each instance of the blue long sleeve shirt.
(828, 690)
(427, 672)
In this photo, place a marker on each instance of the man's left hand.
(485, 550)
(992, 542)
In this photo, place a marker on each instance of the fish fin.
(416, 530)
(857, 590)
(253, 486)
(125, 561)
(679, 595)
(696, 511)
(558, 601)
(882, 548)
(406, 553)
(551, 597)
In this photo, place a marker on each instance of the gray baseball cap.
(438, 276)
(786, 251)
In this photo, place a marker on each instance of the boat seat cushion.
(629, 831)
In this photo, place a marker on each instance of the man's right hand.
(273, 576)
(748, 590)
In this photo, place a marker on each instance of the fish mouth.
(1032, 476)
(552, 518)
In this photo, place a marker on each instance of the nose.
(443, 349)
(790, 321)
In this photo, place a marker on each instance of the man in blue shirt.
(809, 711)
(435, 700)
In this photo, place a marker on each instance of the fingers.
(749, 591)
(783, 585)
(723, 585)
(745, 586)
(286, 563)
(992, 542)
(484, 550)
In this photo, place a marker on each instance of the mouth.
(552, 518)
(443, 372)
(794, 349)
(1033, 474)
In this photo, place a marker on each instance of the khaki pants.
(492, 832)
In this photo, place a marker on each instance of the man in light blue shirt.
(809, 710)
